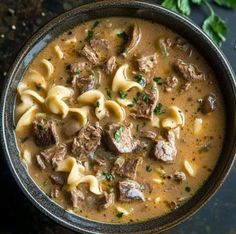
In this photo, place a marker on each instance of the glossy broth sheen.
(201, 150)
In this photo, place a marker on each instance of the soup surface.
(119, 120)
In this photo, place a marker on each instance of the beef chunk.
(44, 132)
(126, 167)
(130, 190)
(119, 140)
(110, 65)
(188, 71)
(208, 104)
(147, 63)
(165, 150)
(171, 82)
(78, 67)
(53, 155)
(148, 134)
(83, 83)
(179, 176)
(87, 140)
(57, 179)
(106, 201)
(184, 46)
(40, 162)
(97, 51)
(76, 197)
(185, 87)
(147, 101)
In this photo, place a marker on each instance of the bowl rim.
(49, 26)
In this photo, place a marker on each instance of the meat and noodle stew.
(119, 120)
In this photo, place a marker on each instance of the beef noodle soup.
(119, 120)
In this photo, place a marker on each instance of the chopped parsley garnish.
(109, 94)
(26, 138)
(205, 148)
(68, 67)
(96, 23)
(124, 51)
(158, 80)
(122, 94)
(188, 189)
(145, 98)
(118, 134)
(119, 214)
(140, 79)
(131, 105)
(45, 183)
(89, 35)
(148, 168)
(77, 71)
(159, 109)
(108, 176)
(123, 35)
(97, 104)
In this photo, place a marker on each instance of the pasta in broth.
(120, 120)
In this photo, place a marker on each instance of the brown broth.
(188, 145)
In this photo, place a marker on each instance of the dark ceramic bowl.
(72, 18)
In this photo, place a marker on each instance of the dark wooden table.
(18, 20)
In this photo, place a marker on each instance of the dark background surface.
(18, 20)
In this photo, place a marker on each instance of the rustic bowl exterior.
(68, 20)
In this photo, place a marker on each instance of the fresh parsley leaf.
(158, 80)
(215, 28)
(145, 98)
(148, 168)
(109, 94)
(198, 2)
(119, 214)
(68, 67)
(205, 148)
(97, 104)
(140, 79)
(188, 189)
(108, 176)
(131, 105)
(45, 183)
(158, 109)
(184, 7)
(90, 35)
(226, 3)
(118, 134)
(96, 23)
(123, 35)
(122, 94)
(170, 4)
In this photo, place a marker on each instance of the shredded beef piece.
(148, 188)
(99, 160)
(179, 176)
(57, 179)
(126, 167)
(208, 104)
(130, 190)
(76, 197)
(147, 101)
(171, 82)
(106, 201)
(97, 51)
(185, 87)
(165, 150)
(40, 162)
(148, 134)
(182, 45)
(110, 65)
(147, 63)
(188, 71)
(53, 155)
(44, 132)
(87, 140)
(83, 83)
(119, 140)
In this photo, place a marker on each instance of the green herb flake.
(158, 80)
(119, 214)
(205, 148)
(97, 104)
(108, 176)
(140, 79)
(122, 94)
(96, 23)
(68, 67)
(131, 105)
(124, 51)
(26, 138)
(123, 35)
(118, 134)
(109, 94)
(148, 168)
(45, 183)
(187, 189)
(89, 35)
(145, 98)
(159, 109)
